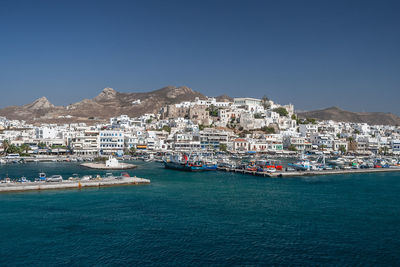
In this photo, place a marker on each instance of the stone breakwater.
(29, 186)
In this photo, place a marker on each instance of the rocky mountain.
(224, 98)
(107, 104)
(337, 114)
(110, 103)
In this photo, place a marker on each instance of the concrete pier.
(310, 173)
(28, 186)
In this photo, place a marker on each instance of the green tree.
(311, 120)
(13, 149)
(257, 116)
(166, 128)
(281, 111)
(132, 150)
(342, 149)
(222, 147)
(292, 148)
(294, 117)
(213, 111)
(25, 148)
(42, 145)
(268, 130)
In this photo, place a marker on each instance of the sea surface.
(198, 219)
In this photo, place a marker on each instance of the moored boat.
(183, 163)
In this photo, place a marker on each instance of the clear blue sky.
(313, 54)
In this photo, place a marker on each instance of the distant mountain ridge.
(338, 114)
(110, 103)
(107, 104)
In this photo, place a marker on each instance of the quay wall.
(10, 187)
(310, 173)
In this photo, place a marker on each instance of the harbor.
(303, 165)
(196, 204)
(287, 174)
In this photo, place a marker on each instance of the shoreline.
(293, 174)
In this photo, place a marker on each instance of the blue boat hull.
(185, 167)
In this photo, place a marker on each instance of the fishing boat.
(303, 165)
(125, 174)
(226, 163)
(184, 163)
(269, 165)
(42, 177)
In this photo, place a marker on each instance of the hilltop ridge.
(338, 114)
(110, 103)
(106, 104)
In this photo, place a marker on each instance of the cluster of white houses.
(244, 125)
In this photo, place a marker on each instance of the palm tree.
(265, 102)
(6, 145)
(24, 148)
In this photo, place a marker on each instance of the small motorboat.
(54, 179)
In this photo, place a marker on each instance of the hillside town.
(244, 125)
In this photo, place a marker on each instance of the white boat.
(338, 162)
(87, 177)
(109, 175)
(54, 178)
(74, 177)
(6, 180)
(22, 180)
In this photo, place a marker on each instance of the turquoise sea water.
(217, 218)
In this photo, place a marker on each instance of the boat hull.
(188, 168)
